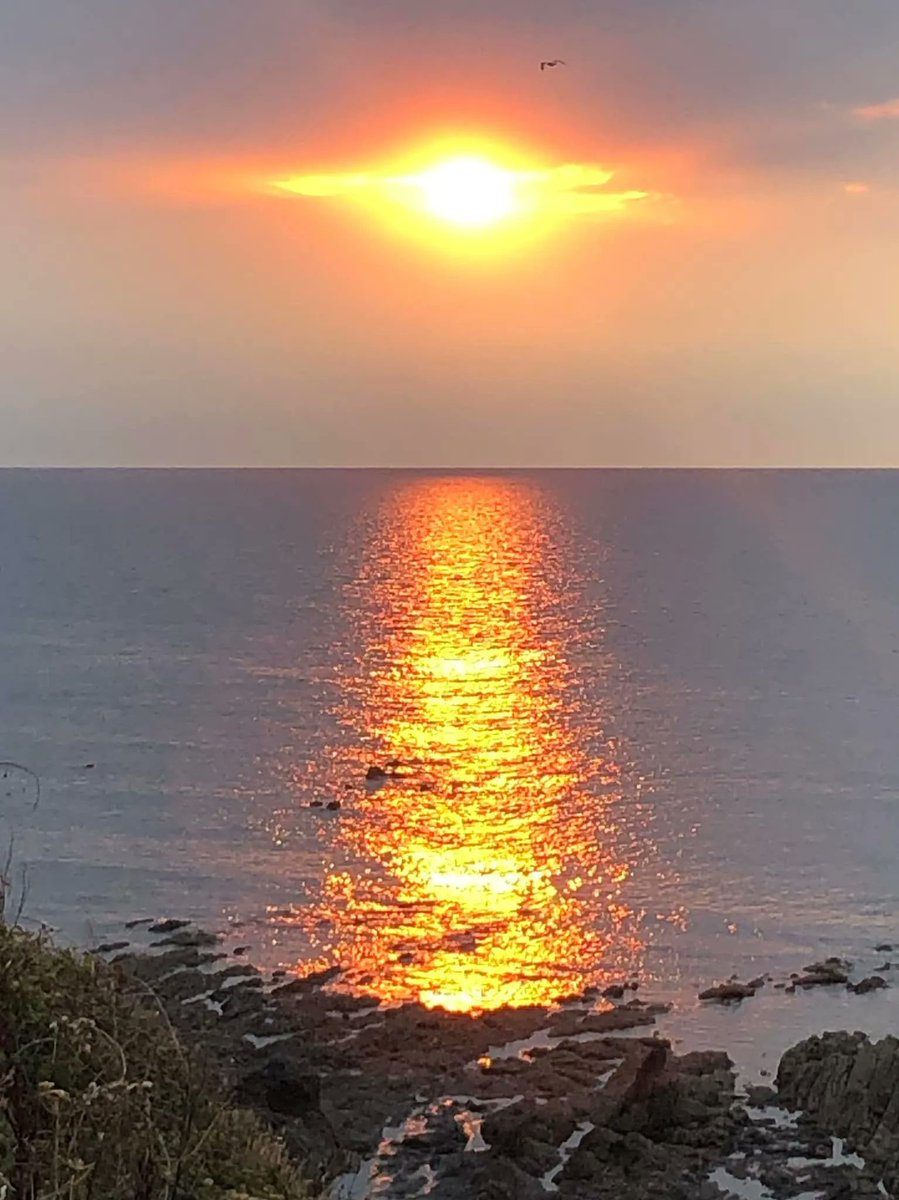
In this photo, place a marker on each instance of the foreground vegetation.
(99, 1100)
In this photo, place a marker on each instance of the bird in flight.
(553, 62)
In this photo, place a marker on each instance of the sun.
(468, 192)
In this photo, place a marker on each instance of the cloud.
(323, 186)
(569, 189)
(888, 111)
(856, 188)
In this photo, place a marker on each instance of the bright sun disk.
(469, 192)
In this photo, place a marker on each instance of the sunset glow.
(476, 192)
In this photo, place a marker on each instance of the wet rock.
(850, 1086)
(139, 921)
(332, 805)
(822, 974)
(341, 1003)
(236, 971)
(729, 992)
(316, 979)
(872, 984)
(316, 804)
(289, 1097)
(110, 947)
(660, 1123)
(160, 969)
(615, 991)
(254, 983)
(282, 1087)
(168, 926)
(704, 1062)
(189, 937)
(883, 948)
(238, 950)
(375, 772)
(570, 1022)
(760, 1096)
(489, 1177)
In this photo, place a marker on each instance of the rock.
(871, 984)
(168, 926)
(821, 974)
(493, 1177)
(760, 1096)
(190, 937)
(884, 966)
(850, 1086)
(726, 993)
(704, 1062)
(316, 804)
(375, 772)
(308, 983)
(615, 991)
(241, 949)
(332, 805)
(883, 948)
(89, 766)
(570, 1022)
(660, 1123)
(282, 1087)
(110, 947)
(138, 922)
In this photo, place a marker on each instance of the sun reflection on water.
(487, 869)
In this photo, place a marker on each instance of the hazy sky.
(163, 302)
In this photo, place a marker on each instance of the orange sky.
(169, 304)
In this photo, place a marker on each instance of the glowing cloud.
(888, 111)
(856, 188)
(472, 192)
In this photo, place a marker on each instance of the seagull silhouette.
(552, 62)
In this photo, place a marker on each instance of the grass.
(99, 1100)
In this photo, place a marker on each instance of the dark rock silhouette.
(728, 992)
(872, 984)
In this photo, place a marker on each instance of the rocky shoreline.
(580, 1100)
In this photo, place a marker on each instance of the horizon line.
(449, 468)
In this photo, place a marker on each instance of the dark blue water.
(648, 717)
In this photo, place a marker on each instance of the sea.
(628, 723)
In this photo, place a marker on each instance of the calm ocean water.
(646, 720)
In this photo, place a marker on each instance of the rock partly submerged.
(850, 1085)
(575, 1099)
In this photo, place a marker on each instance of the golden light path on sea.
(495, 864)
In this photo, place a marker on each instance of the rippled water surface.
(640, 721)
